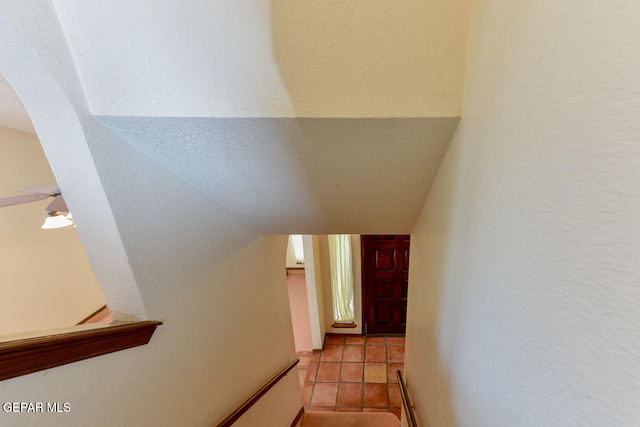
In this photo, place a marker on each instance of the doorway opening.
(380, 284)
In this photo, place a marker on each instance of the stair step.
(349, 419)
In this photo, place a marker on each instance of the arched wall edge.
(61, 134)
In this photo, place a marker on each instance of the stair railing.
(406, 402)
(244, 407)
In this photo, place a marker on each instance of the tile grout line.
(341, 360)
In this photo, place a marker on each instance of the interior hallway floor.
(353, 374)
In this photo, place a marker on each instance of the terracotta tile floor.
(353, 374)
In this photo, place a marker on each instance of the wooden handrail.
(244, 407)
(23, 356)
(95, 313)
(406, 402)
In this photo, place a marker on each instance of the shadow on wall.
(438, 278)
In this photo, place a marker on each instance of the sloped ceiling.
(305, 117)
(305, 175)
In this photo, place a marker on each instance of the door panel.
(385, 281)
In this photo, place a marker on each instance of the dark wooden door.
(385, 280)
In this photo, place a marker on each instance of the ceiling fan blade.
(58, 204)
(45, 189)
(16, 200)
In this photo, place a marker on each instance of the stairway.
(349, 419)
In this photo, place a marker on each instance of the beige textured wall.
(372, 58)
(227, 328)
(523, 304)
(220, 289)
(47, 281)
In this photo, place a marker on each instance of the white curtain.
(341, 277)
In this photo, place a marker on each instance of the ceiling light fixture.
(55, 220)
(38, 192)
